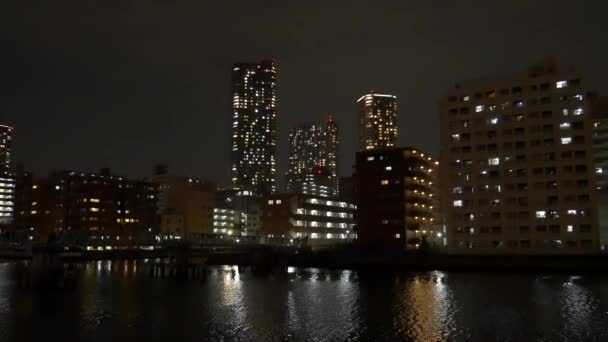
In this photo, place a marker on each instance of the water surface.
(118, 301)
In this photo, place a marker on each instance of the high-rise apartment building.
(254, 114)
(378, 126)
(397, 199)
(517, 170)
(313, 150)
(7, 177)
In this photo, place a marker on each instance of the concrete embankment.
(362, 261)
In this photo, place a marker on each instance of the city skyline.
(167, 95)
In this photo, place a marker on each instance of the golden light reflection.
(427, 300)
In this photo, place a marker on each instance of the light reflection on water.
(120, 301)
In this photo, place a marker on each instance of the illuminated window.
(370, 158)
(599, 170)
(571, 211)
(278, 201)
(541, 214)
(388, 168)
(570, 228)
(93, 209)
(494, 121)
(561, 84)
(397, 236)
(271, 202)
(94, 200)
(578, 111)
(494, 161)
(455, 137)
(384, 182)
(457, 190)
(478, 108)
(566, 140)
(565, 112)
(458, 203)
(564, 125)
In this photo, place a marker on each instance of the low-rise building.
(308, 220)
(85, 208)
(237, 214)
(185, 206)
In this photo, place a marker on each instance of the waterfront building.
(85, 208)
(517, 162)
(378, 124)
(307, 220)
(185, 207)
(599, 107)
(237, 214)
(7, 178)
(313, 165)
(397, 199)
(254, 114)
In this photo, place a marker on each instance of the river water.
(119, 301)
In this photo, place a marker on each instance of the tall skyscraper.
(254, 127)
(517, 171)
(313, 149)
(7, 177)
(377, 121)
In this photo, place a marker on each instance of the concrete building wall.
(396, 198)
(517, 170)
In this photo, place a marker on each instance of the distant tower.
(254, 127)
(7, 177)
(313, 158)
(377, 121)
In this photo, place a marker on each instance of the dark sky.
(127, 84)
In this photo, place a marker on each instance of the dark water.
(119, 302)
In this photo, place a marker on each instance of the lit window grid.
(254, 128)
(473, 170)
(378, 124)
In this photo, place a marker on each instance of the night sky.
(128, 84)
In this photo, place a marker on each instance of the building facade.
(308, 220)
(85, 208)
(313, 154)
(378, 124)
(599, 107)
(7, 177)
(254, 114)
(185, 207)
(517, 164)
(397, 199)
(237, 214)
